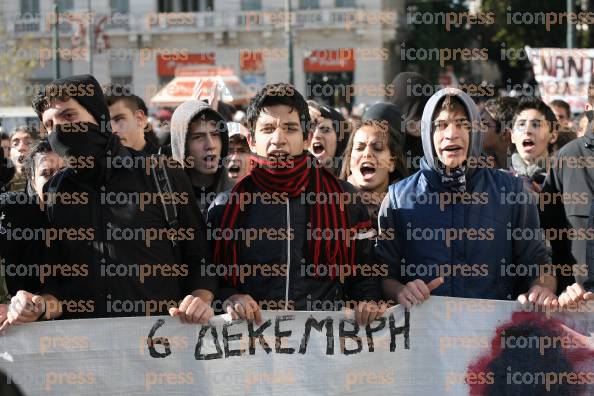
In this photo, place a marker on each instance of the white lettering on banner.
(445, 346)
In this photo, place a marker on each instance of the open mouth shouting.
(452, 150)
(317, 148)
(211, 161)
(278, 155)
(368, 170)
(528, 144)
(234, 169)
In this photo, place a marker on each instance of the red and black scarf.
(301, 174)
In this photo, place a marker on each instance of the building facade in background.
(343, 50)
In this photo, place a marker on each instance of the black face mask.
(78, 139)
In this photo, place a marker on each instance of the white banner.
(445, 346)
(563, 74)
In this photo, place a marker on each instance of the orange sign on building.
(166, 65)
(330, 60)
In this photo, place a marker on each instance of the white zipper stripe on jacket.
(288, 256)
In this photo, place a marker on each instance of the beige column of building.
(369, 76)
(299, 53)
(276, 67)
(273, 37)
(144, 74)
(11, 11)
(100, 61)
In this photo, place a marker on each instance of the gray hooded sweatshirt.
(475, 147)
(475, 239)
(180, 123)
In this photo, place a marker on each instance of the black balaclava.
(80, 139)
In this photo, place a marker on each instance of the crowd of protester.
(292, 204)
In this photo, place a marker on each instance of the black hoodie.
(411, 93)
(130, 260)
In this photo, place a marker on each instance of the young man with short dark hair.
(40, 165)
(129, 119)
(535, 130)
(22, 257)
(21, 140)
(307, 248)
(562, 112)
(497, 117)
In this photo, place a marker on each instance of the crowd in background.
(291, 203)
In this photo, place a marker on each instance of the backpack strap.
(163, 185)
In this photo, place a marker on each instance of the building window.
(251, 5)
(121, 71)
(189, 6)
(309, 4)
(345, 3)
(120, 6)
(165, 5)
(29, 7)
(185, 5)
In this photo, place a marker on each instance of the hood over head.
(180, 124)
(384, 112)
(388, 113)
(475, 146)
(87, 147)
(85, 89)
(410, 94)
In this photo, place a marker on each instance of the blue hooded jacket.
(486, 241)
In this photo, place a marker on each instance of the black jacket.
(113, 226)
(23, 237)
(268, 221)
(572, 174)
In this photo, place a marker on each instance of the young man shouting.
(292, 247)
(459, 229)
(237, 162)
(199, 142)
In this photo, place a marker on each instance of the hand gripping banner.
(446, 346)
